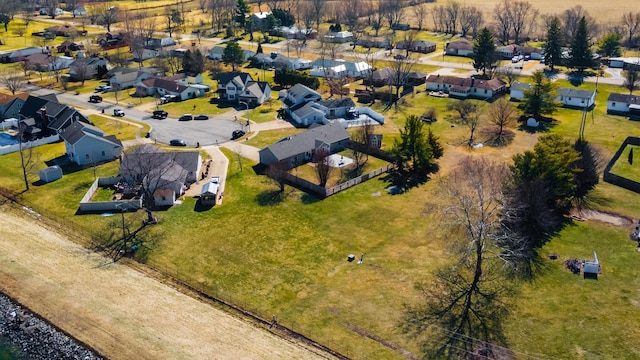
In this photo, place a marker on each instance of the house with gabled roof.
(50, 116)
(47, 62)
(126, 78)
(576, 98)
(86, 67)
(517, 90)
(460, 47)
(239, 87)
(465, 87)
(421, 46)
(10, 105)
(159, 86)
(298, 149)
(86, 144)
(21, 54)
(328, 68)
(623, 104)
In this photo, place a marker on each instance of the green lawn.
(121, 129)
(623, 167)
(266, 138)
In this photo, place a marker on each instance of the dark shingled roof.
(226, 77)
(624, 98)
(308, 140)
(337, 103)
(580, 94)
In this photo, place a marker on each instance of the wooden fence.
(619, 180)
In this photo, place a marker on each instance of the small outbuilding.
(591, 269)
(209, 192)
(52, 173)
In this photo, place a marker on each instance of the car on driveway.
(186, 117)
(160, 114)
(95, 98)
(201, 117)
(104, 88)
(236, 134)
(177, 142)
(118, 112)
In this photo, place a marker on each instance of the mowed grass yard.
(285, 254)
(626, 166)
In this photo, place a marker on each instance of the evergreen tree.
(484, 51)
(553, 47)
(413, 152)
(233, 55)
(581, 57)
(434, 141)
(541, 98)
(242, 9)
(610, 45)
(259, 50)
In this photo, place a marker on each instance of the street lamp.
(247, 114)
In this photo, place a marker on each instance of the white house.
(465, 87)
(161, 87)
(216, 52)
(623, 104)
(461, 47)
(86, 144)
(127, 78)
(339, 37)
(339, 68)
(298, 95)
(239, 87)
(517, 90)
(576, 98)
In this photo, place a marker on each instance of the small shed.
(52, 173)
(209, 192)
(164, 197)
(591, 269)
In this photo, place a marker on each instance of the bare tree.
(631, 78)
(82, 71)
(106, 15)
(508, 74)
(470, 19)
(321, 160)
(203, 5)
(420, 14)
(464, 307)
(469, 116)
(278, 173)
(130, 236)
(51, 6)
(571, 19)
(28, 159)
(318, 10)
(439, 18)
(501, 114)
(393, 11)
(27, 67)
(401, 68)
(521, 13)
(452, 12)
(502, 17)
(362, 145)
(13, 83)
(378, 16)
(631, 24)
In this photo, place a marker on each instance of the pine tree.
(484, 51)
(242, 9)
(540, 99)
(581, 56)
(553, 47)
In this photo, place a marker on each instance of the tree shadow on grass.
(199, 207)
(270, 197)
(494, 139)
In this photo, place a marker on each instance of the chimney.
(43, 114)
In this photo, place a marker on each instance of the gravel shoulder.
(118, 311)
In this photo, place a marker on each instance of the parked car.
(399, 57)
(201, 117)
(95, 98)
(185, 117)
(517, 58)
(104, 88)
(167, 98)
(236, 134)
(118, 112)
(160, 114)
(177, 142)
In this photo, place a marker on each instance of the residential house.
(86, 144)
(239, 87)
(47, 62)
(624, 104)
(298, 149)
(66, 31)
(461, 47)
(154, 86)
(144, 54)
(336, 69)
(465, 87)
(79, 10)
(416, 78)
(339, 37)
(374, 41)
(517, 90)
(509, 51)
(109, 41)
(87, 68)
(624, 62)
(380, 77)
(21, 54)
(164, 174)
(294, 33)
(157, 43)
(49, 115)
(216, 52)
(69, 46)
(570, 97)
(126, 78)
(420, 46)
(260, 17)
(10, 105)
(298, 95)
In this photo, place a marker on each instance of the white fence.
(86, 205)
(14, 148)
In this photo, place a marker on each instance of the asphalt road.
(215, 131)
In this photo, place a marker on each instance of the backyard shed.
(50, 174)
(210, 192)
(591, 269)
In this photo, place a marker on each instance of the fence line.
(29, 144)
(616, 179)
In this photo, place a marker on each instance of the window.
(103, 153)
(613, 104)
(485, 91)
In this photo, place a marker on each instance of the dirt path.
(118, 311)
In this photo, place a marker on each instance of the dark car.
(399, 57)
(185, 117)
(201, 117)
(160, 114)
(177, 142)
(236, 134)
(95, 98)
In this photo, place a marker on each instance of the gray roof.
(518, 86)
(580, 94)
(188, 160)
(337, 103)
(624, 98)
(77, 131)
(243, 77)
(307, 109)
(308, 140)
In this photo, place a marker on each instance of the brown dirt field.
(120, 312)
